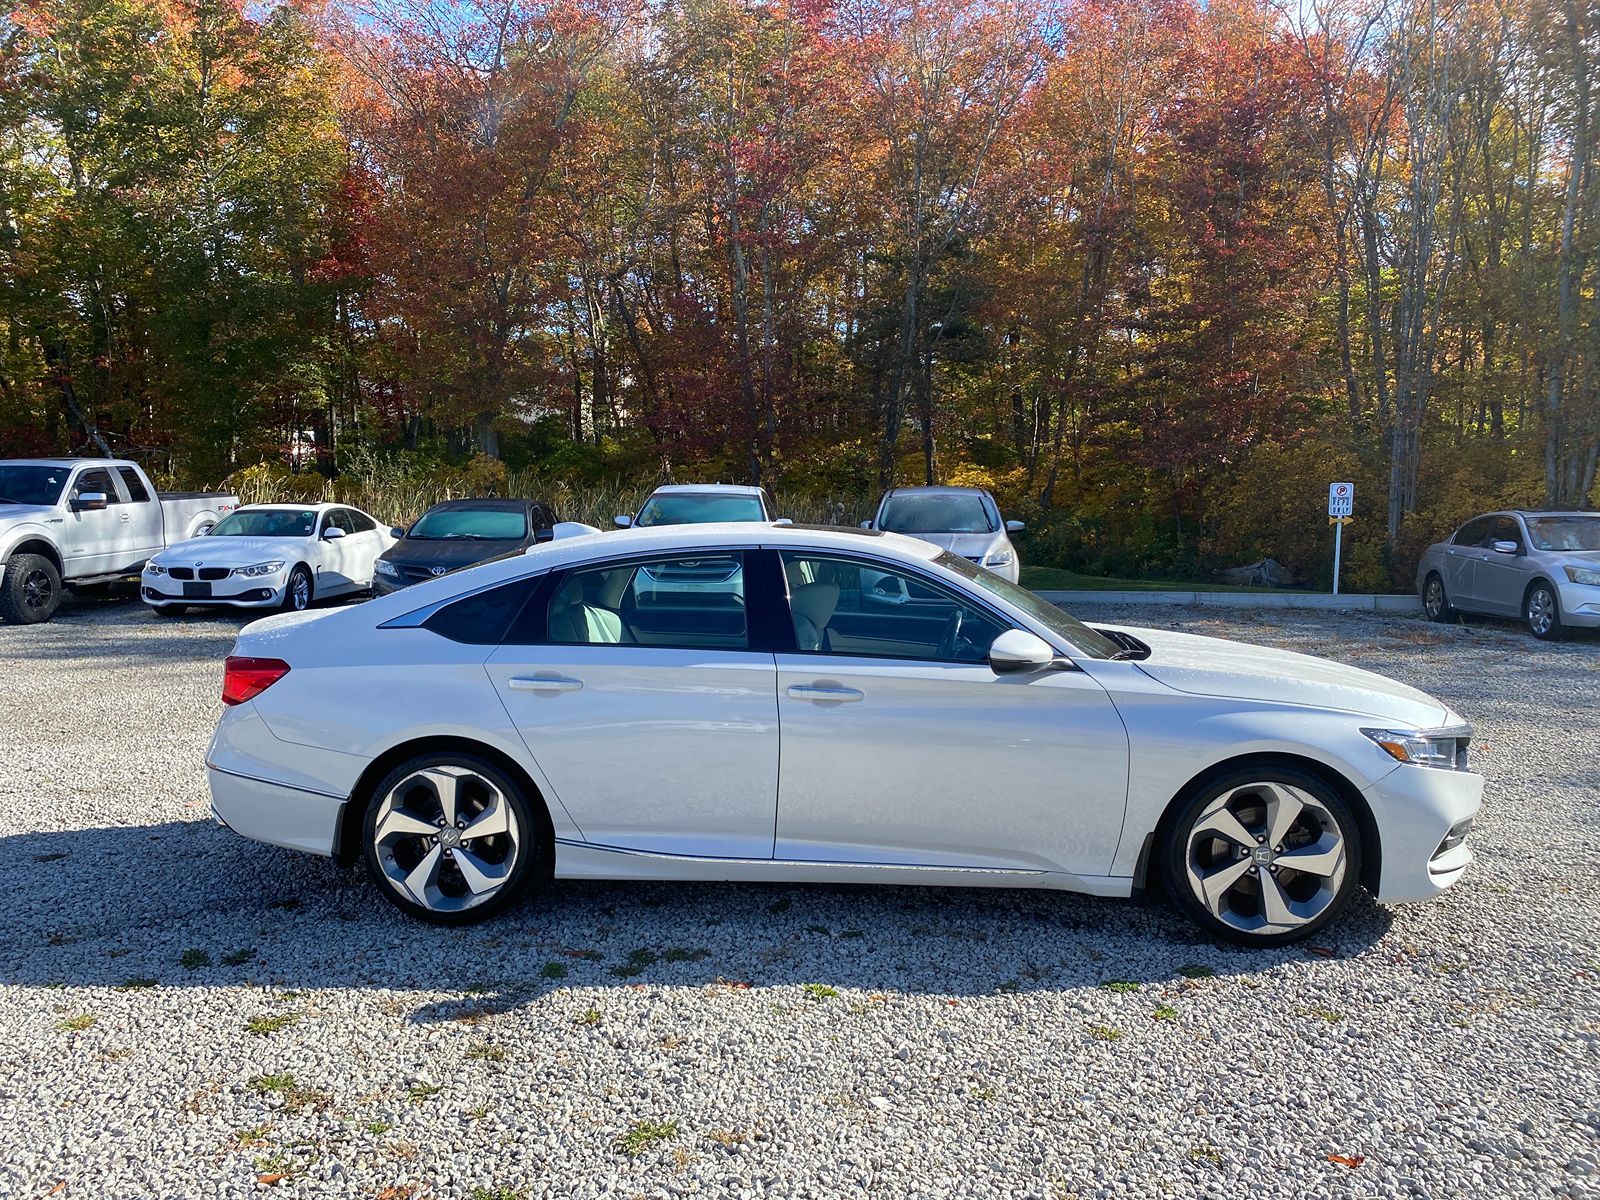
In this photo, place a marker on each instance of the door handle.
(124, 517)
(544, 683)
(838, 695)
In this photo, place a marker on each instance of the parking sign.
(1341, 499)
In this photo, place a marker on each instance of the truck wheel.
(30, 590)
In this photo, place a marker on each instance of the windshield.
(689, 508)
(1074, 632)
(23, 484)
(938, 514)
(268, 522)
(483, 524)
(1565, 533)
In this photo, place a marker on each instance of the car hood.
(229, 551)
(1206, 666)
(968, 545)
(449, 553)
(25, 514)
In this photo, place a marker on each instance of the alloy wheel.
(300, 592)
(1266, 858)
(1541, 611)
(38, 590)
(1433, 599)
(446, 838)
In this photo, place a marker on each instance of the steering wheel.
(952, 633)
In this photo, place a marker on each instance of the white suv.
(965, 521)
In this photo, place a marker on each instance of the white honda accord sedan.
(568, 713)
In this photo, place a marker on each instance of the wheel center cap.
(449, 837)
(1262, 856)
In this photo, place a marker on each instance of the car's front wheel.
(1262, 856)
(1541, 612)
(298, 591)
(451, 838)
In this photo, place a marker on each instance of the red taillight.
(245, 678)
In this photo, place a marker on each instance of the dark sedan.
(461, 533)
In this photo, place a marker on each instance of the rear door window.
(694, 603)
(137, 493)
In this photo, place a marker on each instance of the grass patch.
(378, 1128)
(589, 1016)
(256, 1135)
(680, 954)
(77, 1024)
(1105, 1033)
(238, 958)
(497, 1193)
(486, 1052)
(193, 959)
(1196, 971)
(642, 1135)
(1121, 986)
(262, 1024)
(553, 970)
(281, 1081)
(1164, 1012)
(294, 1096)
(819, 991)
(135, 983)
(418, 1092)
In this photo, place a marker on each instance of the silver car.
(963, 520)
(1543, 567)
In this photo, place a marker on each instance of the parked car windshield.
(1565, 533)
(23, 484)
(267, 522)
(938, 514)
(1073, 631)
(689, 508)
(487, 524)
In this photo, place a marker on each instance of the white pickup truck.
(81, 521)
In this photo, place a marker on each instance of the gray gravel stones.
(189, 1014)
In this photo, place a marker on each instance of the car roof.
(481, 502)
(1553, 512)
(287, 506)
(715, 489)
(66, 462)
(936, 490)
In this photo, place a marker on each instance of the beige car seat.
(813, 605)
(575, 621)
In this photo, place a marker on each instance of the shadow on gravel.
(190, 905)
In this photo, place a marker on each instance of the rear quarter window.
(484, 618)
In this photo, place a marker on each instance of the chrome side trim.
(277, 783)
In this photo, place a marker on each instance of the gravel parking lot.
(189, 1014)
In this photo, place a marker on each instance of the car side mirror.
(623, 522)
(332, 534)
(396, 531)
(89, 502)
(783, 521)
(1015, 526)
(1019, 650)
(866, 524)
(1505, 547)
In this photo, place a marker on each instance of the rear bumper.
(275, 813)
(1415, 808)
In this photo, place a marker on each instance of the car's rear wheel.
(1263, 856)
(1541, 612)
(1435, 601)
(451, 838)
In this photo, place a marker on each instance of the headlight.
(1000, 558)
(1586, 575)
(1442, 748)
(385, 567)
(154, 568)
(259, 569)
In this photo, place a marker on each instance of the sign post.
(1341, 503)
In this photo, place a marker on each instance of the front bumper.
(265, 591)
(1415, 809)
(1580, 605)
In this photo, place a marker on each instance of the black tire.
(1174, 846)
(30, 590)
(1435, 600)
(170, 610)
(528, 841)
(1541, 612)
(294, 600)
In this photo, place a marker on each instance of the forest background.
(1154, 271)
